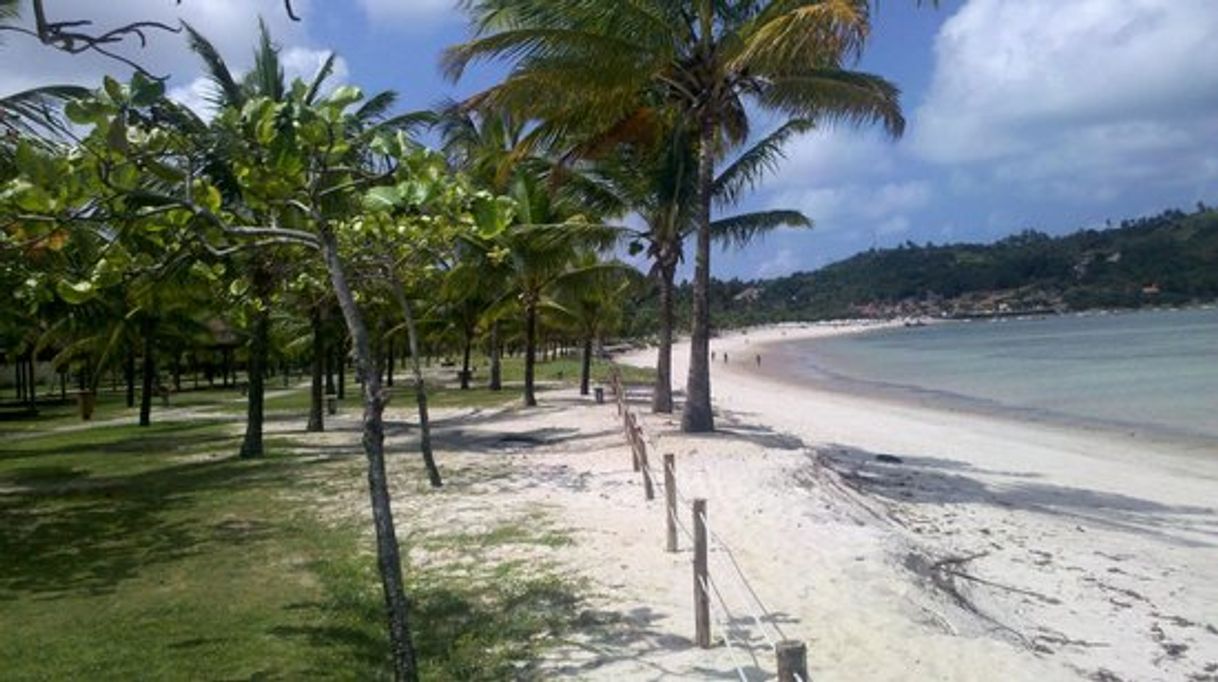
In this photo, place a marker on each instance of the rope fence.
(709, 604)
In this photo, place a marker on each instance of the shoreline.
(1100, 558)
(1171, 442)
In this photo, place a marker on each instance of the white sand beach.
(992, 550)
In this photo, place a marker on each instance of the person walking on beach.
(759, 359)
(725, 358)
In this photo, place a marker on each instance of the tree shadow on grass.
(491, 626)
(66, 532)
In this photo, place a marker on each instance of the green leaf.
(145, 91)
(344, 96)
(75, 293)
(492, 215)
(114, 89)
(382, 199)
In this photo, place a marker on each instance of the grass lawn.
(132, 553)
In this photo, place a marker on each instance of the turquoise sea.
(1152, 374)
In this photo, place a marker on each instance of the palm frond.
(228, 91)
(323, 73)
(805, 33)
(754, 163)
(741, 230)
(834, 95)
(37, 112)
(267, 77)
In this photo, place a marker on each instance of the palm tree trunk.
(389, 361)
(585, 370)
(530, 352)
(251, 446)
(420, 389)
(149, 378)
(317, 422)
(469, 342)
(129, 375)
(389, 562)
(697, 416)
(331, 360)
(496, 382)
(32, 385)
(342, 369)
(661, 397)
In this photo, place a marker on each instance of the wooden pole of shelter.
(702, 630)
(792, 661)
(670, 500)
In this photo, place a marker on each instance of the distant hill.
(1169, 259)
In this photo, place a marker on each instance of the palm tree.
(600, 67)
(539, 249)
(589, 303)
(656, 182)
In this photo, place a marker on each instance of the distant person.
(712, 356)
(725, 358)
(759, 359)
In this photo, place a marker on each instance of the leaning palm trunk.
(661, 399)
(697, 416)
(420, 389)
(316, 419)
(388, 560)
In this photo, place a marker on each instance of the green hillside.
(1169, 259)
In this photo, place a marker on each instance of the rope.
(756, 610)
(723, 631)
(744, 581)
(677, 519)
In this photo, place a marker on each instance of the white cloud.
(302, 62)
(830, 155)
(411, 11)
(1015, 77)
(781, 263)
(858, 205)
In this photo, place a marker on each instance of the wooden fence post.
(670, 499)
(702, 633)
(632, 436)
(792, 661)
(649, 492)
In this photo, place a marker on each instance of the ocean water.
(1152, 373)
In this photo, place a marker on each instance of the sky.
(1043, 114)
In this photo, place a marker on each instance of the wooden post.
(792, 661)
(702, 633)
(649, 492)
(634, 444)
(670, 499)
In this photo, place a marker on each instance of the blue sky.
(1022, 113)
